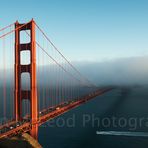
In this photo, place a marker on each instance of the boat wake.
(122, 133)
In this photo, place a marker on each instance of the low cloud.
(124, 71)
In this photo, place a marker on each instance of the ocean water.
(121, 114)
(123, 110)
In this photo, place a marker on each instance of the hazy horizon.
(122, 71)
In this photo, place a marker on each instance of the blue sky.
(86, 30)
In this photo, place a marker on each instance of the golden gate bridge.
(37, 82)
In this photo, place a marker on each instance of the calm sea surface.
(123, 109)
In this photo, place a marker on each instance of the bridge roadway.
(13, 128)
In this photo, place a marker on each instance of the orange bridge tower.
(31, 93)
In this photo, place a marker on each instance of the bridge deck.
(50, 113)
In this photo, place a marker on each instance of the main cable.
(71, 65)
(57, 62)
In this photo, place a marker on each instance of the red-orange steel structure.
(35, 118)
(31, 94)
(26, 127)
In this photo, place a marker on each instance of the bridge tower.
(30, 94)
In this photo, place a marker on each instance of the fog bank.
(123, 71)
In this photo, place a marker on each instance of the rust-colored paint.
(31, 94)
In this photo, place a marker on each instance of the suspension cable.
(58, 63)
(75, 69)
(7, 27)
(13, 30)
